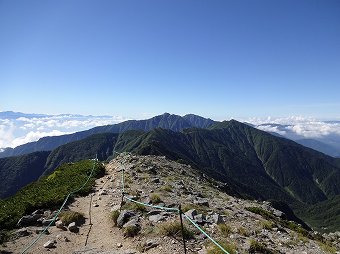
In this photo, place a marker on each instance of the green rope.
(174, 210)
(61, 207)
(210, 238)
(154, 206)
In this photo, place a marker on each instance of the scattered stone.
(62, 238)
(119, 245)
(217, 219)
(29, 220)
(50, 244)
(202, 202)
(22, 232)
(72, 227)
(133, 223)
(191, 213)
(102, 192)
(156, 218)
(60, 224)
(41, 230)
(149, 244)
(153, 212)
(47, 222)
(152, 170)
(155, 180)
(124, 217)
(200, 219)
(279, 214)
(47, 213)
(95, 205)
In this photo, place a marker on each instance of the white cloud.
(302, 127)
(34, 136)
(315, 129)
(270, 128)
(6, 133)
(15, 132)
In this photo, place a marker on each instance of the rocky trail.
(158, 181)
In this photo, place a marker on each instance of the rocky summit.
(101, 223)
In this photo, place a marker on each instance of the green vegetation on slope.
(18, 171)
(100, 144)
(325, 216)
(48, 192)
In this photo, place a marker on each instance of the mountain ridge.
(166, 120)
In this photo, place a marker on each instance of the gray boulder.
(123, 217)
(29, 220)
(22, 232)
(217, 219)
(191, 213)
(133, 222)
(156, 217)
(200, 219)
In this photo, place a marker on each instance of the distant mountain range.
(249, 162)
(14, 115)
(166, 121)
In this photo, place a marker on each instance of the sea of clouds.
(18, 128)
(24, 128)
(297, 127)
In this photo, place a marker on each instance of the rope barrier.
(203, 232)
(174, 210)
(61, 207)
(154, 206)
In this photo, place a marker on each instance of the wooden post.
(180, 216)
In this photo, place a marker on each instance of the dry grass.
(68, 217)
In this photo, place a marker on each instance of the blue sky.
(218, 59)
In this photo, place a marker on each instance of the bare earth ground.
(103, 237)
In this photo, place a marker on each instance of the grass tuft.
(214, 249)
(131, 231)
(174, 229)
(225, 229)
(114, 216)
(155, 198)
(68, 217)
(256, 247)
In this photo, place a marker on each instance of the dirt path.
(101, 236)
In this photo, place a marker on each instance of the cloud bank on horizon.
(18, 128)
(297, 127)
(21, 128)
